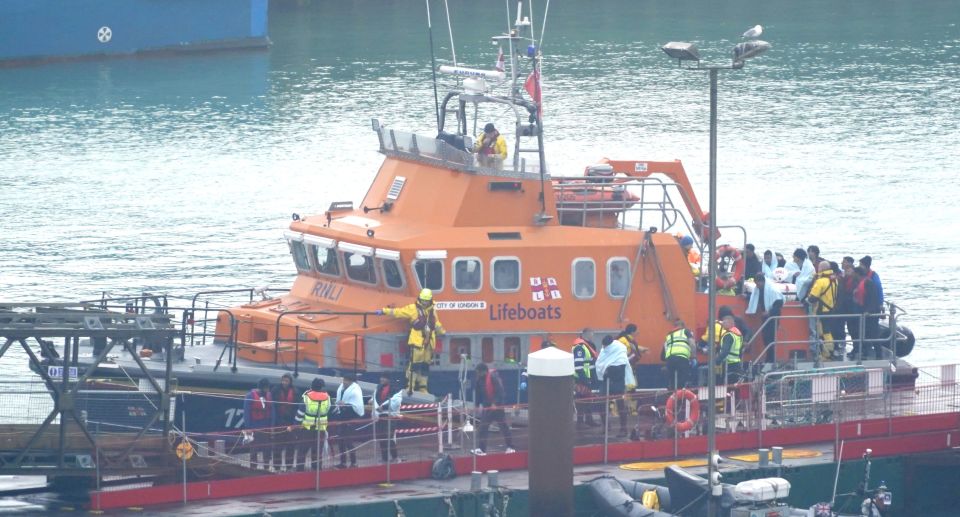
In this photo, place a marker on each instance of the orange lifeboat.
(597, 200)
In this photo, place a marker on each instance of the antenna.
(543, 28)
(453, 49)
(513, 67)
(533, 33)
(433, 66)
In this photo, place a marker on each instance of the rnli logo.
(544, 288)
(327, 290)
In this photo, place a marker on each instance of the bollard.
(550, 381)
(764, 457)
(777, 455)
(475, 480)
(493, 478)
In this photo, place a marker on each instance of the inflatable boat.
(684, 496)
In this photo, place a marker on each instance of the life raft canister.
(683, 425)
(724, 254)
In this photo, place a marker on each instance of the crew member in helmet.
(422, 340)
(491, 148)
(693, 256)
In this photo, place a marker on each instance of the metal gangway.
(47, 425)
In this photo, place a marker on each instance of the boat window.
(511, 349)
(467, 274)
(459, 349)
(618, 277)
(299, 253)
(506, 274)
(324, 260)
(429, 274)
(359, 268)
(392, 276)
(584, 278)
(486, 349)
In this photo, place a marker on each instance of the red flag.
(532, 85)
(500, 67)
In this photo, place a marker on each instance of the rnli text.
(328, 290)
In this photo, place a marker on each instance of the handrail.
(231, 343)
(861, 317)
(276, 330)
(736, 227)
(577, 183)
(161, 304)
(790, 374)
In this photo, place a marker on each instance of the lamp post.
(682, 51)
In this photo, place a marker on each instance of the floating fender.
(635, 489)
(613, 501)
(905, 343)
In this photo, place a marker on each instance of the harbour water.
(178, 173)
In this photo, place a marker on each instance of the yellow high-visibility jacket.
(824, 292)
(424, 323)
(498, 148)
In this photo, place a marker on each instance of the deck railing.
(886, 346)
(809, 407)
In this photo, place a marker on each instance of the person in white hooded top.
(348, 408)
(766, 301)
(612, 365)
(805, 273)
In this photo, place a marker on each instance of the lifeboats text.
(517, 312)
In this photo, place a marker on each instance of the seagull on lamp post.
(753, 32)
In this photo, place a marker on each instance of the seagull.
(754, 32)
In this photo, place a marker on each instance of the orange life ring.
(723, 253)
(683, 425)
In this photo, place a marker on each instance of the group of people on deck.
(836, 295)
(285, 428)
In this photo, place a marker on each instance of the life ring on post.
(728, 258)
(671, 418)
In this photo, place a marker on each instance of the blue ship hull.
(40, 30)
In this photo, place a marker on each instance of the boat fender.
(443, 468)
(671, 418)
(650, 499)
(904, 344)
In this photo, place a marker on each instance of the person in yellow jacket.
(422, 340)
(677, 349)
(821, 300)
(491, 148)
(312, 415)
